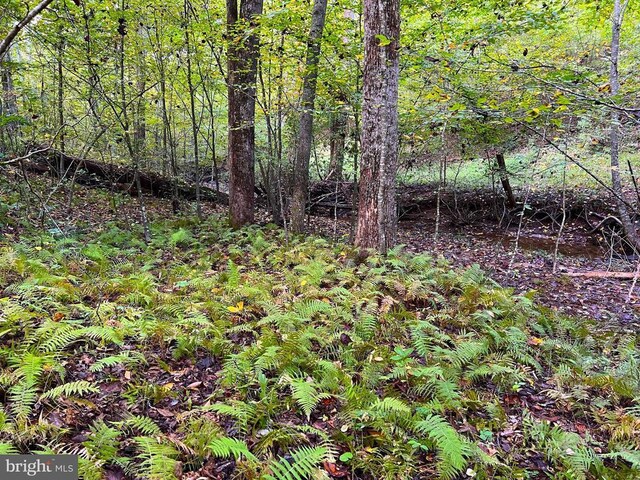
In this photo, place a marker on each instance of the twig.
(633, 284)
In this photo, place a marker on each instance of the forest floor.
(516, 254)
(246, 354)
(522, 255)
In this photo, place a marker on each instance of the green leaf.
(346, 456)
(384, 40)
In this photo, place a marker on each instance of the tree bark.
(305, 126)
(377, 214)
(9, 103)
(140, 124)
(243, 51)
(192, 108)
(336, 145)
(125, 123)
(614, 81)
(61, 120)
(504, 179)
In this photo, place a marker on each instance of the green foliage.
(295, 357)
(226, 447)
(128, 359)
(303, 464)
(72, 389)
(158, 458)
(453, 449)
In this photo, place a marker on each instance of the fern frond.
(22, 397)
(303, 464)
(391, 404)
(453, 450)
(140, 423)
(226, 447)
(7, 449)
(129, 358)
(630, 456)
(71, 389)
(305, 394)
(158, 458)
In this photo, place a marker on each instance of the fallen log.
(602, 274)
(117, 177)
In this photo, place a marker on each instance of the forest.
(320, 239)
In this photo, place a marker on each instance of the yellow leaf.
(238, 308)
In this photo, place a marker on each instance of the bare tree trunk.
(377, 215)
(243, 51)
(192, 109)
(9, 103)
(61, 137)
(504, 179)
(305, 127)
(168, 137)
(125, 123)
(336, 145)
(140, 124)
(614, 80)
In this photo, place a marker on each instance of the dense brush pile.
(228, 354)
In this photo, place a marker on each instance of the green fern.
(140, 423)
(7, 449)
(71, 389)
(158, 458)
(22, 397)
(226, 447)
(128, 358)
(242, 412)
(303, 464)
(305, 393)
(453, 450)
(628, 455)
(103, 442)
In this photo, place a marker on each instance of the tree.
(242, 60)
(305, 128)
(377, 216)
(614, 80)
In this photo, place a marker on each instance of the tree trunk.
(377, 215)
(140, 124)
(336, 145)
(60, 78)
(504, 179)
(125, 123)
(305, 126)
(192, 108)
(243, 51)
(614, 81)
(9, 103)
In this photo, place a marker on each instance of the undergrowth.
(236, 354)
